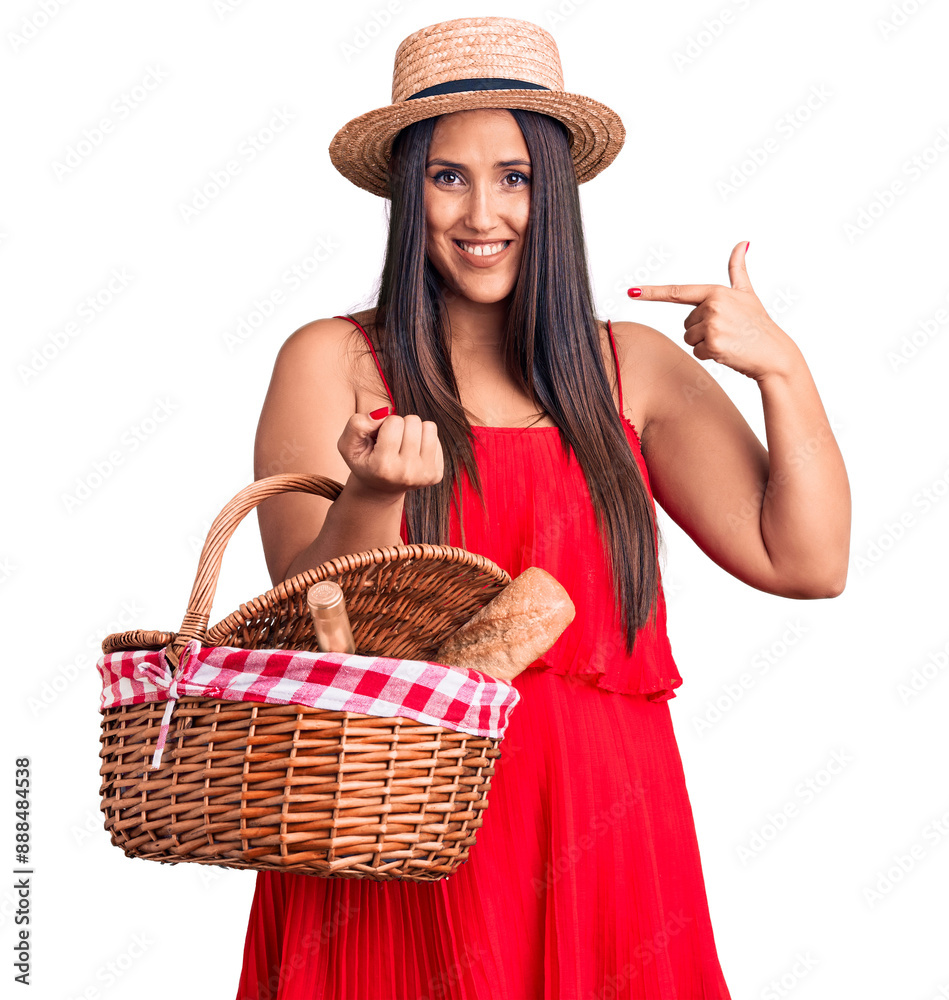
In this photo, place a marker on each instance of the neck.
(476, 325)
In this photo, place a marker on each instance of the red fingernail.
(748, 244)
(635, 293)
(383, 411)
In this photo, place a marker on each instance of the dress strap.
(374, 357)
(619, 381)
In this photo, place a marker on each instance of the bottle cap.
(325, 599)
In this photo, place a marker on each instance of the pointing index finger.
(686, 294)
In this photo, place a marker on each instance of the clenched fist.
(392, 454)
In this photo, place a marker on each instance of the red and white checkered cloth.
(460, 699)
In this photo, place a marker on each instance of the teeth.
(485, 249)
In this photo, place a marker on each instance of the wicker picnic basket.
(287, 787)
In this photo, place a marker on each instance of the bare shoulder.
(331, 348)
(312, 387)
(332, 353)
(650, 364)
(325, 338)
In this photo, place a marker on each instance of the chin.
(484, 291)
(485, 294)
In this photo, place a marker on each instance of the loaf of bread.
(513, 630)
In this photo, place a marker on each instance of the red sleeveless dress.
(585, 880)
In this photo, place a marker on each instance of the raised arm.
(309, 423)
(777, 519)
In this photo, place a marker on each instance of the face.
(477, 202)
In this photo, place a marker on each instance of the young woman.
(482, 404)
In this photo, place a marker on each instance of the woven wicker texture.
(476, 47)
(289, 787)
(467, 48)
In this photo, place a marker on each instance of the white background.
(848, 252)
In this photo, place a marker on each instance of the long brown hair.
(552, 347)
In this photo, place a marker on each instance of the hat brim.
(360, 150)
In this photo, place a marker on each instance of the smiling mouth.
(483, 249)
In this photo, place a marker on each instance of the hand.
(730, 325)
(392, 454)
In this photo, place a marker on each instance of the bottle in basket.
(331, 626)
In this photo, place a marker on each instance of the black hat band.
(478, 83)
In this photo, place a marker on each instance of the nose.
(481, 209)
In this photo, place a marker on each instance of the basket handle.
(195, 623)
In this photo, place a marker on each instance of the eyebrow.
(461, 166)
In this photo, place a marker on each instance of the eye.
(439, 177)
(518, 177)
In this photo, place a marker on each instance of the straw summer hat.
(475, 62)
